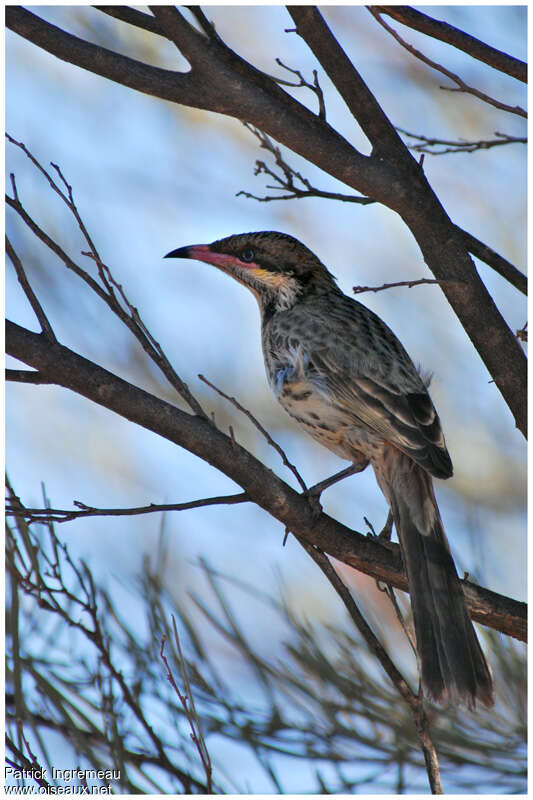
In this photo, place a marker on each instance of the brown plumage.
(342, 374)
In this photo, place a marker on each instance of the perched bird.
(342, 374)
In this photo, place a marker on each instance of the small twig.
(460, 145)
(315, 86)
(30, 294)
(288, 179)
(65, 515)
(409, 284)
(207, 26)
(261, 429)
(187, 702)
(387, 589)
(129, 315)
(461, 86)
(33, 769)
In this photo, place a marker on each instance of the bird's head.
(277, 268)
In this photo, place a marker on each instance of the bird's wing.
(405, 418)
(358, 363)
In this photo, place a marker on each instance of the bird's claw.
(383, 537)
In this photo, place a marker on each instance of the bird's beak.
(201, 252)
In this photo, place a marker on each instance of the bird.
(346, 379)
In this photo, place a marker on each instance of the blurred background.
(149, 176)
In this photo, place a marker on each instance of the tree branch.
(286, 181)
(134, 17)
(198, 436)
(41, 515)
(425, 143)
(440, 241)
(460, 84)
(30, 294)
(493, 259)
(219, 81)
(445, 32)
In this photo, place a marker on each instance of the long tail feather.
(451, 662)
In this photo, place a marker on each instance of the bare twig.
(30, 767)
(261, 429)
(409, 284)
(425, 143)
(49, 589)
(120, 306)
(461, 86)
(288, 179)
(387, 589)
(187, 702)
(30, 294)
(65, 515)
(315, 86)
(414, 701)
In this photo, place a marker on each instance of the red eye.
(247, 255)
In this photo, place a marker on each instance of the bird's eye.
(247, 255)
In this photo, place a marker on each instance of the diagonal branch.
(261, 429)
(376, 126)
(198, 436)
(460, 84)
(445, 32)
(133, 17)
(164, 83)
(30, 294)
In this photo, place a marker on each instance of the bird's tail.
(451, 662)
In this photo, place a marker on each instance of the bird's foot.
(314, 492)
(384, 536)
(313, 498)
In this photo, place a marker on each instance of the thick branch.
(264, 488)
(442, 245)
(445, 32)
(219, 81)
(133, 17)
(493, 259)
(364, 107)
